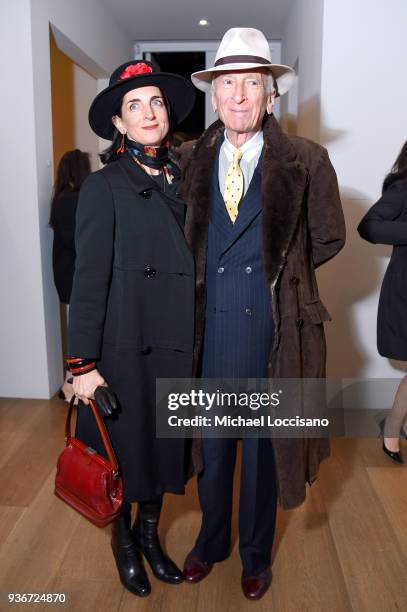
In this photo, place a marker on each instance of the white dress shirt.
(251, 154)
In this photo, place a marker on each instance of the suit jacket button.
(248, 311)
(299, 323)
(147, 193)
(221, 270)
(294, 281)
(146, 350)
(248, 270)
(149, 272)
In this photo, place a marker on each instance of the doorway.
(185, 64)
(72, 90)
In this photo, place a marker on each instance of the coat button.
(149, 272)
(147, 193)
(299, 323)
(248, 311)
(146, 350)
(294, 281)
(221, 270)
(248, 270)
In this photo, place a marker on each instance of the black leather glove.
(105, 400)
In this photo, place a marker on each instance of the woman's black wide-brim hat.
(178, 91)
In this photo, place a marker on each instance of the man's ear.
(271, 98)
(214, 103)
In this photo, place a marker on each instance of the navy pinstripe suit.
(238, 309)
(237, 342)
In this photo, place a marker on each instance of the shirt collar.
(249, 149)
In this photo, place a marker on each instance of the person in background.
(73, 169)
(132, 304)
(386, 223)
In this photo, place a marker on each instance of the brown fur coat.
(303, 227)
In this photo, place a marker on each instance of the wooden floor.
(344, 549)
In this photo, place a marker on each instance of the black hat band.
(241, 59)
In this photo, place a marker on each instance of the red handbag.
(85, 480)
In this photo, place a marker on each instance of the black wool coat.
(386, 223)
(303, 227)
(63, 247)
(132, 308)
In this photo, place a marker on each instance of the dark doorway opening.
(185, 63)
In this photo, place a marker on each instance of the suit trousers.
(257, 508)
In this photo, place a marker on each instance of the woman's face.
(144, 116)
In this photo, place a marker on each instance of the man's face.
(241, 100)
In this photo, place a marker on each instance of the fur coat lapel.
(284, 181)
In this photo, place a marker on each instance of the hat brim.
(178, 91)
(284, 75)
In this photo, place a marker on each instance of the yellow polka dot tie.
(234, 186)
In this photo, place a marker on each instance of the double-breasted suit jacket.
(132, 309)
(238, 322)
(302, 227)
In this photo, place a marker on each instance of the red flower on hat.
(135, 69)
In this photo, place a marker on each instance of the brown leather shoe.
(195, 570)
(254, 587)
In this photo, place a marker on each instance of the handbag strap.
(102, 430)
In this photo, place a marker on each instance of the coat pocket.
(152, 268)
(316, 312)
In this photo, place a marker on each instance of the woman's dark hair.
(110, 153)
(399, 169)
(73, 169)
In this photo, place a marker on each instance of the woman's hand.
(84, 386)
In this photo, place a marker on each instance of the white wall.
(352, 98)
(302, 43)
(22, 332)
(363, 125)
(30, 351)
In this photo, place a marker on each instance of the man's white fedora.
(243, 49)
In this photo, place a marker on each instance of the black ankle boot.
(146, 536)
(128, 558)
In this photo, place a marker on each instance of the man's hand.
(84, 386)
